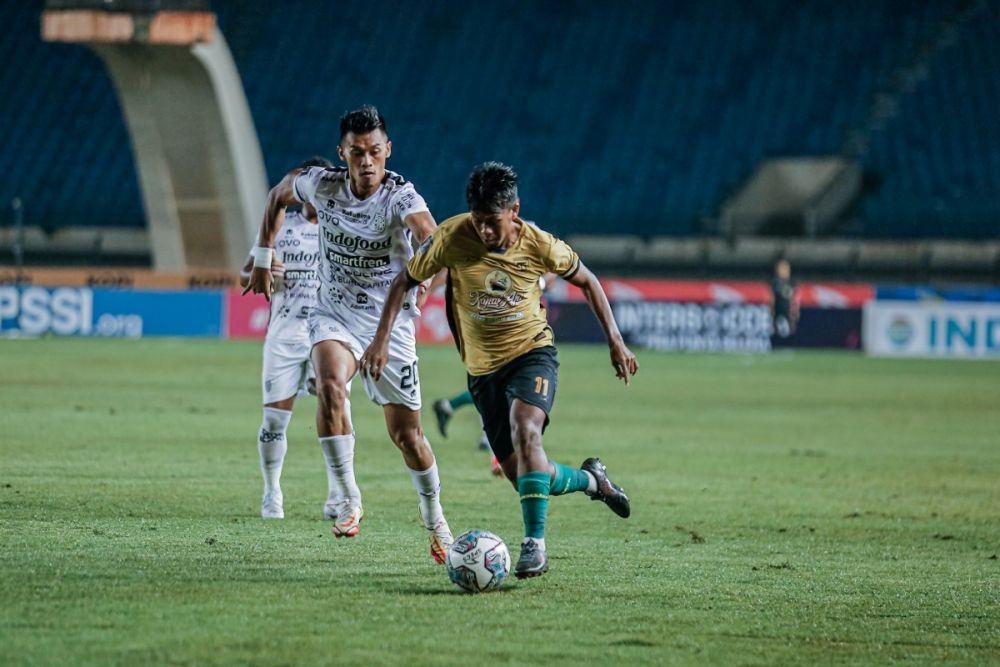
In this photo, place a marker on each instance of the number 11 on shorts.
(542, 386)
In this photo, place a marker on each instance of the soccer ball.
(478, 561)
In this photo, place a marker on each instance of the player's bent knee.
(275, 420)
(526, 434)
(408, 439)
(332, 393)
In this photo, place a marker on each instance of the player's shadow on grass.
(448, 589)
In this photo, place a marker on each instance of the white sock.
(272, 446)
(339, 453)
(428, 486)
(540, 541)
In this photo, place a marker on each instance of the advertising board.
(932, 329)
(82, 311)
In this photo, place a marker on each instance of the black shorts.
(532, 377)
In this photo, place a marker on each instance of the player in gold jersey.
(494, 260)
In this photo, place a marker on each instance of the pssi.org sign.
(906, 328)
(737, 327)
(63, 311)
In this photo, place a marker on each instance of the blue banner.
(82, 311)
(926, 293)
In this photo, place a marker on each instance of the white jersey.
(363, 244)
(297, 246)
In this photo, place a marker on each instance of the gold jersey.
(494, 303)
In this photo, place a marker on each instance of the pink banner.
(432, 325)
(246, 316)
(817, 295)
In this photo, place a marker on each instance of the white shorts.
(399, 384)
(286, 370)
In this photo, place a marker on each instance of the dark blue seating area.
(64, 147)
(940, 158)
(641, 123)
(626, 118)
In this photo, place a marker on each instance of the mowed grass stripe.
(787, 509)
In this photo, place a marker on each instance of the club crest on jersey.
(497, 283)
(498, 298)
(378, 223)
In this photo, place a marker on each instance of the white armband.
(262, 257)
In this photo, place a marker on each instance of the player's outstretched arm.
(246, 270)
(624, 362)
(377, 354)
(277, 269)
(426, 288)
(281, 195)
(422, 225)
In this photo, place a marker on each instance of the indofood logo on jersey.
(300, 257)
(353, 243)
(497, 295)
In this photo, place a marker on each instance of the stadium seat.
(890, 257)
(605, 250)
(34, 239)
(69, 240)
(830, 255)
(743, 254)
(121, 241)
(666, 254)
(956, 257)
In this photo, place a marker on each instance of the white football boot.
(348, 522)
(440, 537)
(272, 506)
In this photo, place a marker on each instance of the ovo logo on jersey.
(497, 283)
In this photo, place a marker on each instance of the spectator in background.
(784, 301)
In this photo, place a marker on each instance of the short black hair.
(316, 161)
(362, 121)
(492, 187)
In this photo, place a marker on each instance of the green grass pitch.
(787, 509)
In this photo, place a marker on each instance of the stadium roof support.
(200, 165)
(792, 197)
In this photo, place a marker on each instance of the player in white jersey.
(368, 219)
(287, 369)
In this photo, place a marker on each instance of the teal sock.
(465, 398)
(567, 480)
(534, 491)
